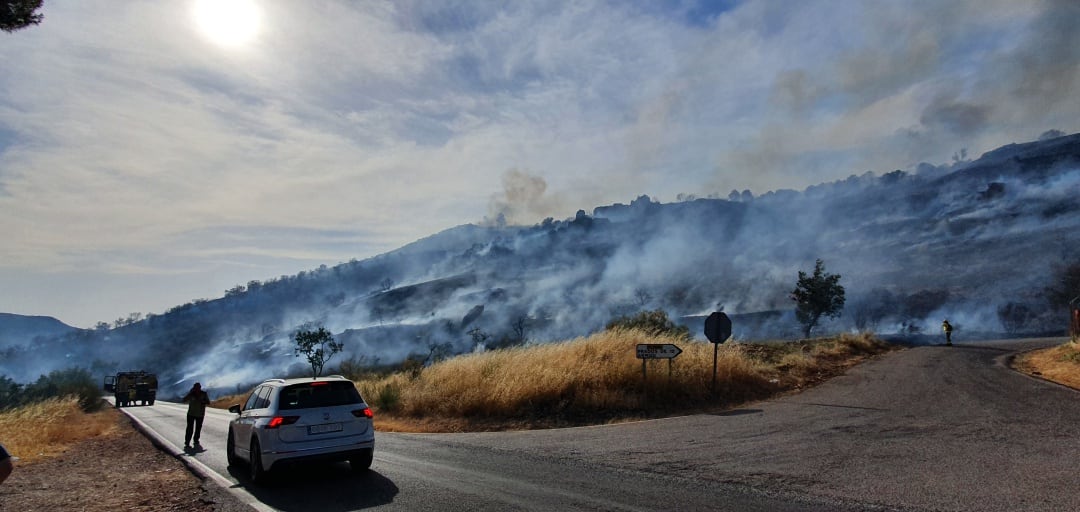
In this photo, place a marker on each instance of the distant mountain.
(975, 242)
(23, 330)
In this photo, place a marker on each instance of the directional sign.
(664, 351)
(718, 327)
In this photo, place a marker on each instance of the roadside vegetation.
(1060, 364)
(41, 430)
(73, 382)
(44, 418)
(596, 379)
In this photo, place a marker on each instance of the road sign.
(718, 327)
(658, 351)
(718, 330)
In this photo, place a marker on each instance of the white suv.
(293, 420)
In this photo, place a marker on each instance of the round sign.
(718, 327)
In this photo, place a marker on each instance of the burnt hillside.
(977, 242)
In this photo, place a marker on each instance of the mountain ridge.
(912, 247)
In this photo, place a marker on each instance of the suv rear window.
(318, 394)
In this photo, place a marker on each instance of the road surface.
(930, 428)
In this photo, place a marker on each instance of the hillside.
(16, 330)
(976, 242)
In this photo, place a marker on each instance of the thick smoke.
(522, 199)
(976, 242)
(903, 95)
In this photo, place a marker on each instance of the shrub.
(655, 323)
(76, 382)
(389, 398)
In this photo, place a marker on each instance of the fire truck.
(128, 388)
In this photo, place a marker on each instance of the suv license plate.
(322, 429)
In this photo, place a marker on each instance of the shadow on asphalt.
(324, 487)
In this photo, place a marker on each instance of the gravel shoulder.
(121, 471)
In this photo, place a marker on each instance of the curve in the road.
(941, 428)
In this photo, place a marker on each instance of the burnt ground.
(123, 471)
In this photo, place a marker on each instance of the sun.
(227, 22)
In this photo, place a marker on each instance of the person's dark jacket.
(197, 401)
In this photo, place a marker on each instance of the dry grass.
(598, 379)
(45, 429)
(1060, 364)
(224, 402)
(594, 380)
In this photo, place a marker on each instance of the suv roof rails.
(274, 380)
(335, 375)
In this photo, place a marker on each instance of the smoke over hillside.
(976, 242)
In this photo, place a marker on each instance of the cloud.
(124, 131)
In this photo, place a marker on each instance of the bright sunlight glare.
(227, 22)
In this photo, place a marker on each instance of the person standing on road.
(197, 400)
(947, 328)
(6, 465)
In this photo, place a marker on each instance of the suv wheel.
(258, 474)
(230, 450)
(362, 462)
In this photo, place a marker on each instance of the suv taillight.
(365, 412)
(278, 421)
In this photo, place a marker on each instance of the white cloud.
(129, 143)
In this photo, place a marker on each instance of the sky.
(157, 152)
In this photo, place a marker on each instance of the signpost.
(656, 351)
(665, 351)
(718, 330)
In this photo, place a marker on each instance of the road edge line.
(1008, 359)
(195, 466)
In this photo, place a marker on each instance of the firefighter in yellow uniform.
(947, 328)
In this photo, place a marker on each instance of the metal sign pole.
(715, 349)
(718, 330)
(644, 377)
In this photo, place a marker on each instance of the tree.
(235, 290)
(438, 352)
(520, 326)
(479, 337)
(816, 296)
(18, 14)
(643, 296)
(317, 346)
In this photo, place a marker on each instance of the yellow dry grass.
(1060, 364)
(45, 429)
(596, 379)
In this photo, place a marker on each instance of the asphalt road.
(930, 428)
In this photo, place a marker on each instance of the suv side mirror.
(234, 408)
